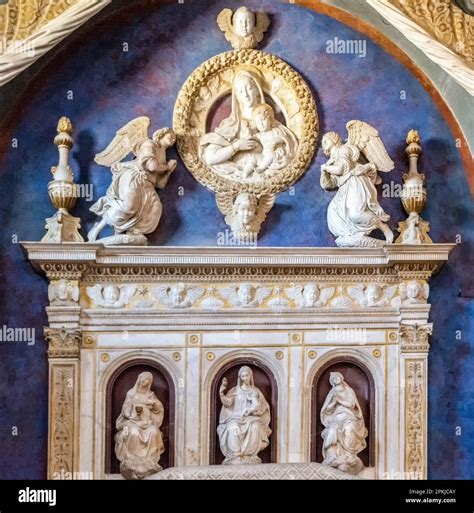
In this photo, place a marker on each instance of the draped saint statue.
(244, 421)
(345, 432)
(138, 442)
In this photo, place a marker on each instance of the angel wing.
(51, 292)
(262, 22)
(75, 293)
(194, 293)
(367, 140)
(425, 291)
(265, 204)
(403, 290)
(224, 202)
(126, 138)
(388, 293)
(326, 293)
(126, 292)
(296, 294)
(262, 293)
(161, 294)
(224, 20)
(95, 293)
(357, 294)
(230, 294)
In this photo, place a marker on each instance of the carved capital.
(63, 342)
(414, 337)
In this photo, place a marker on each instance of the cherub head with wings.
(243, 28)
(245, 213)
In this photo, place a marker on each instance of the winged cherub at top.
(355, 212)
(243, 28)
(132, 205)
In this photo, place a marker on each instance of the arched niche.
(360, 379)
(266, 382)
(121, 381)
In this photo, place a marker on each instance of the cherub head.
(373, 294)
(310, 293)
(111, 294)
(178, 293)
(243, 22)
(245, 208)
(263, 117)
(330, 140)
(245, 293)
(413, 289)
(164, 137)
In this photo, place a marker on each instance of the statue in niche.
(139, 442)
(244, 421)
(355, 212)
(131, 205)
(249, 144)
(243, 29)
(345, 432)
(245, 214)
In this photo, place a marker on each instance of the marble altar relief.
(132, 205)
(244, 420)
(139, 442)
(355, 212)
(266, 142)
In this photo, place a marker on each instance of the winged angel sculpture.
(243, 29)
(132, 205)
(355, 212)
(245, 213)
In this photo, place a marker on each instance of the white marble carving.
(212, 302)
(345, 432)
(278, 302)
(244, 421)
(178, 295)
(246, 295)
(243, 29)
(414, 292)
(63, 292)
(111, 295)
(245, 213)
(139, 442)
(374, 294)
(414, 230)
(355, 212)
(250, 144)
(132, 205)
(310, 295)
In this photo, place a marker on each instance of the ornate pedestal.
(294, 314)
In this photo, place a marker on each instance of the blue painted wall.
(110, 86)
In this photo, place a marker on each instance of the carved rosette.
(414, 338)
(415, 412)
(62, 342)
